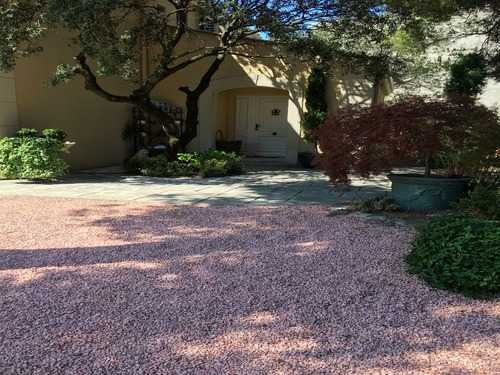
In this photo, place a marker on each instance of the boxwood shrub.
(214, 163)
(458, 253)
(211, 163)
(482, 201)
(33, 156)
(160, 166)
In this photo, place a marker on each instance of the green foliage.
(55, 134)
(231, 160)
(479, 17)
(458, 253)
(214, 154)
(191, 158)
(468, 76)
(211, 163)
(33, 157)
(27, 133)
(316, 104)
(440, 10)
(312, 121)
(107, 31)
(374, 44)
(316, 90)
(378, 204)
(214, 168)
(160, 166)
(482, 201)
(108, 37)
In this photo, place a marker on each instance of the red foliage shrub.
(372, 140)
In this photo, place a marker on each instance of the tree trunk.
(377, 88)
(191, 125)
(193, 102)
(428, 161)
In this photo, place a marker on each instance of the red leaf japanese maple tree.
(371, 140)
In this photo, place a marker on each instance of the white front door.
(262, 125)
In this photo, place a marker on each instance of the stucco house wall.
(8, 105)
(96, 125)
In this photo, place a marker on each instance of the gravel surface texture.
(94, 287)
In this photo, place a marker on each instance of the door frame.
(252, 115)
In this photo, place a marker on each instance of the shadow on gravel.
(235, 291)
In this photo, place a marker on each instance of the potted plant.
(454, 135)
(450, 138)
(306, 159)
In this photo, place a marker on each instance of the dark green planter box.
(306, 160)
(420, 193)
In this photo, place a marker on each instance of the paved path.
(259, 188)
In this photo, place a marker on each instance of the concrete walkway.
(260, 187)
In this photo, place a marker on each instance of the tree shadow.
(259, 187)
(234, 290)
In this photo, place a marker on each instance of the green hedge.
(160, 166)
(458, 253)
(211, 163)
(482, 201)
(29, 155)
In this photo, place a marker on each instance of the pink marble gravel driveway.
(90, 287)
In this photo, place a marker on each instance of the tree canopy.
(381, 38)
(480, 18)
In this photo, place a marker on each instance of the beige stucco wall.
(8, 106)
(491, 94)
(96, 125)
(265, 75)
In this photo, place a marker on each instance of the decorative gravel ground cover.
(95, 287)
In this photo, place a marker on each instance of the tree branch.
(91, 84)
(162, 71)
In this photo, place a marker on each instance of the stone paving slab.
(258, 187)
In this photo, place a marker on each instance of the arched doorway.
(259, 112)
(256, 116)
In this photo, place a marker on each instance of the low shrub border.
(33, 156)
(482, 201)
(458, 253)
(212, 163)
